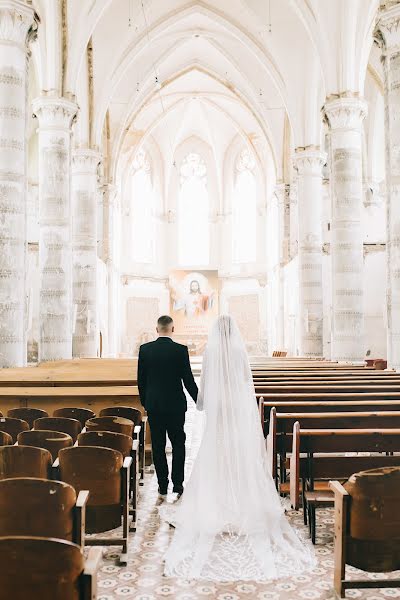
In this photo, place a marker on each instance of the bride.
(229, 523)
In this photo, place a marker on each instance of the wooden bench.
(280, 438)
(325, 458)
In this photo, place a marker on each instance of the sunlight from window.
(143, 224)
(193, 213)
(244, 225)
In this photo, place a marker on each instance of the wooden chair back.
(61, 424)
(80, 414)
(52, 569)
(37, 507)
(107, 439)
(374, 519)
(127, 412)
(5, 439)
(27, 414)
(111, 423)
(13, 426)
(99, 471)
(53, 441)
(24, 461)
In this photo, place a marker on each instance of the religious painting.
(194, 306)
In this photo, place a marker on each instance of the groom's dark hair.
(164, 322)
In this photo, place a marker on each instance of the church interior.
(197, 158)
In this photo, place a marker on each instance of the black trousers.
(172, 424)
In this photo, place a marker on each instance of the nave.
(365, 424)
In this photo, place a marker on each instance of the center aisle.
(143, 579)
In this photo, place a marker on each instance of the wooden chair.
(367, 528)
(61, 424)
(110, 423)
(13, 426)
(24, 461)
(27, 414)
(105, 473)
(52, 441)
(43, 508)
(80, 414)
(128, 447)
(140, 421)
(5, 439)
(41, 568)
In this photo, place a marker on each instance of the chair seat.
(320, 498)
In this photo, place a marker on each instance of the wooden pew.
(280, 440)
(350, 387)
(307, 406)
(325, 459)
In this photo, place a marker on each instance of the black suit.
(163, 366)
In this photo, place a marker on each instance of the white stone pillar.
(308, 163)
(283, 204)
(17, 27)
(345, 116)
(109, 201)
(84, 253)
(55, 116)
(389, 27)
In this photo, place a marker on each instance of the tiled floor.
(142, 578)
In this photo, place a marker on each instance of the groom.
(163, 366)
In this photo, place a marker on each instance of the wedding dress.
(229, 523)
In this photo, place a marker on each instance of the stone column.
(389, 28)
(17, 27)
(308, 163)
(84, 253)
(109, 197)
(283, 203)
(55, 116)
(345, 116)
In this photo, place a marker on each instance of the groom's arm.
(187, 376)
(141, 378)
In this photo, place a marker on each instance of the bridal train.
(230, 524)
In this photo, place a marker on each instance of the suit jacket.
(162, 367)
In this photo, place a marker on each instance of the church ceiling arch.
(148, 116)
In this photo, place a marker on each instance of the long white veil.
(230, 524)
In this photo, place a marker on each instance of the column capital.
(388, 26)
(54, 113)
(17, 20)
(346, 112)
(309, 161)
(85, 160)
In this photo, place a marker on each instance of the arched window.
(193, 212)
(244, 226)
(143, 224)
